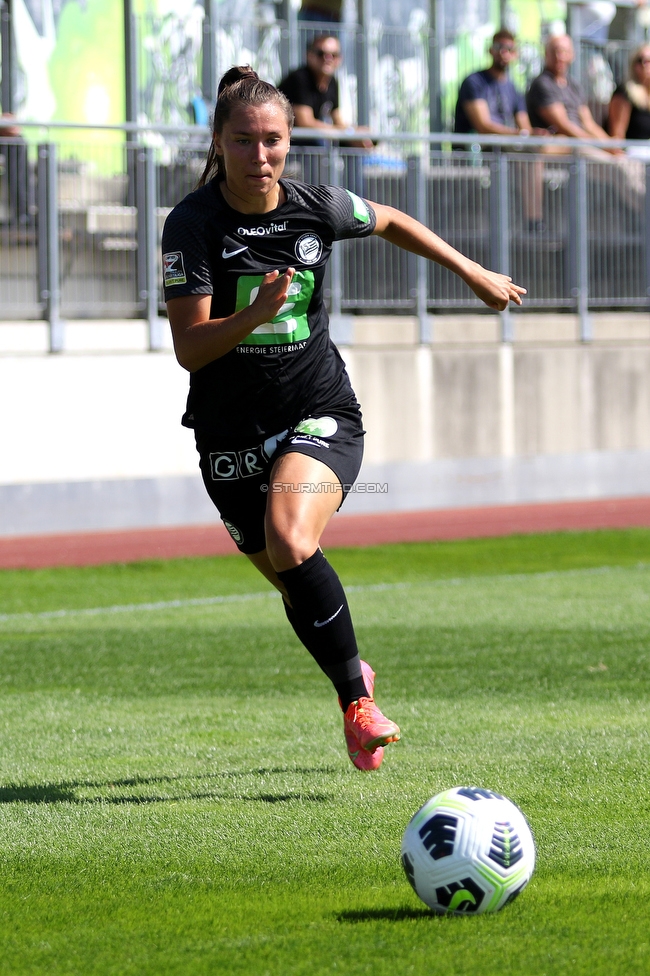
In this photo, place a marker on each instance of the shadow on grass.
(66, 792)
(385, 915)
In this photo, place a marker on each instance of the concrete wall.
(468, 395)
(91, 438)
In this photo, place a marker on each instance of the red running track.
(95, 548)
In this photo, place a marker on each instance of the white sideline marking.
(205, 601)
(208, 601)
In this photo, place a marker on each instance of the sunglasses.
(318, 51)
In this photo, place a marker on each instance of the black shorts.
(237, 481)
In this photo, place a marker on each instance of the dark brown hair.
(239, 86)
(503, 34)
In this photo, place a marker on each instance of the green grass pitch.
(175, 796)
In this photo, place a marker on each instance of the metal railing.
(80, 223)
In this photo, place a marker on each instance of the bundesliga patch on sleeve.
(174, 269)
(359, 207)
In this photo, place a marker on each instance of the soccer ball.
(468, 851)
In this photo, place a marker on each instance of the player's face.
(254, 144)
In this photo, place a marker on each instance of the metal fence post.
(361, 58)
(6, 59)
(340, 325)
(48, 245)
(336, 263)
(291, 55)
(647, 231)
(436, 47)
(130, 62)
(148, 246)
(417, 206)
(209, 52)
(503, 242)
(582, 247)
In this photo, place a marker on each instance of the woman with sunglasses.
(277, 425)
(629, 109)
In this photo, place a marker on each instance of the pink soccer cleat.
(366, 730)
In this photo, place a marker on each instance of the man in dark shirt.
(314, 92)
(557, 102)
(488, 101)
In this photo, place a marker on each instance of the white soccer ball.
(468, 850)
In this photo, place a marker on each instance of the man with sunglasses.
(488, 101)
(313, 91)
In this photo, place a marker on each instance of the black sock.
(320, 616)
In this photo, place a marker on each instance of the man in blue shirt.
(488, 101)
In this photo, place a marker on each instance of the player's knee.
(288, 544)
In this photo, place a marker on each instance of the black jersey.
(285, 369)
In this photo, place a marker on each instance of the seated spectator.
(629, 109)
(314, 92)
(556, 101)
(488, 101)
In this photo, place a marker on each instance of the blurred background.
(107, 106)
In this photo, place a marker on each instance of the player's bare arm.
(198, 339)
(495, 289)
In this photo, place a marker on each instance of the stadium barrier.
(81, 212)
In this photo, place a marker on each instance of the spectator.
(629, 109)
(488, 101)
(556, 102)
(314, 92)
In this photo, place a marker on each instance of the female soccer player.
(277, 426)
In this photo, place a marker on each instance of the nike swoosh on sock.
(321, 623)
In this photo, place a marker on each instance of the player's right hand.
(272, 294)
(496, 290)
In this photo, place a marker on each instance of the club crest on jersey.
(309, 248)
(174, 269)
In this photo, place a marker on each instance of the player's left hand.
(495, 289)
